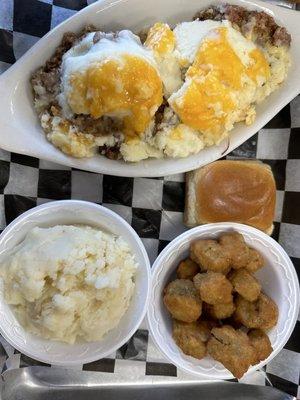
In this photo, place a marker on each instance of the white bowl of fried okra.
(224, 300)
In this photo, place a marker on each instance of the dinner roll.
(234, 191)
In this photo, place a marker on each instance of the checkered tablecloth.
(152, 206)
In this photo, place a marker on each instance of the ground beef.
(113, 153)
(160, 112)
(236, 15)
(281, 37)
(159, 116)
(213, 13)
(48, 80)
(262, 26)
(54, 62)
(97, 127)
(143, 35)
(48, 75)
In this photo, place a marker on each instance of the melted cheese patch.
(129, 85)
(259, 68)
(160, 39)
(213, 80)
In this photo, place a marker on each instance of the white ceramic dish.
(278, 279)
(75, 212)
(20, 128)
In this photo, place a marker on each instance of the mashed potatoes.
(69, 282)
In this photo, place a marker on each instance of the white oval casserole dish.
(20, 128)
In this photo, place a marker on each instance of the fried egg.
(160, 38)
(175, 49)
(114, 76)
(188, 37)
(161, 41)
(221, 82)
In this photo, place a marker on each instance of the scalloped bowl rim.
(63, 354)
(161, 271)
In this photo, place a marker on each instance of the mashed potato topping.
(181, 89)
(69, 282)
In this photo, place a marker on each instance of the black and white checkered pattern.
(152, 206)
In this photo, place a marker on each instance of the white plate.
(278, 279)
(75, 212)
(21, 131)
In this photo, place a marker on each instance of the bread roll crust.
(229, 190)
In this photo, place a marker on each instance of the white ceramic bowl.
(278, 279)
(75, 212)
(21, 130)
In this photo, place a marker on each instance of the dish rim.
(224, 226)
(146, 268)
(148, 167)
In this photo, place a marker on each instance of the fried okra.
(191, 337)
(255, 262)
(213, 287)
(232, 348)
(187, 269)
(182, 300)
(261, 343)
(206, 326)
(245, 284)
(216, 283)
(262, 313)
(209, 255)
(220, 311)
(234, 246)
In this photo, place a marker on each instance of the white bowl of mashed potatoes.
(74, 282)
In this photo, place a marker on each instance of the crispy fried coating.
(235, 247)
(233, 321)
(261, 342)
(206, 326)
(245, 284)
(191, 338)
(209, 255)
(182, 300)
(187, 269)
(232, 348)
(216, 283)
(214, 287)
(220, 311)
(262, 313)
(255, 262)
